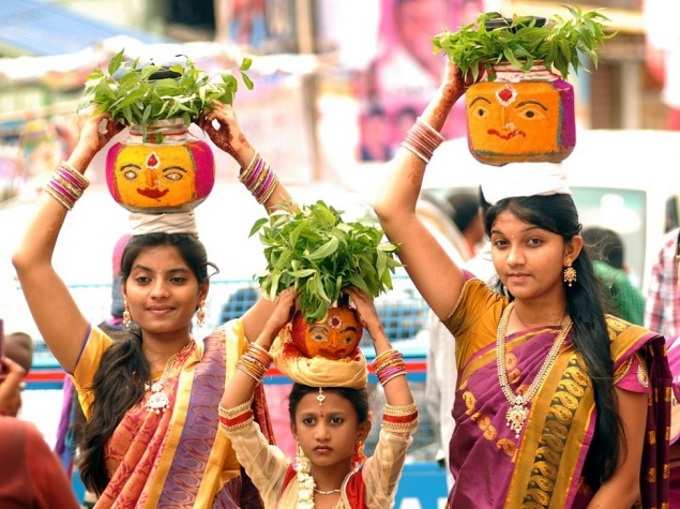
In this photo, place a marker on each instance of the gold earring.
(200, 315)
(127, 319)
(569, 275)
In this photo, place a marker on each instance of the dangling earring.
(127, 319)
(359, 455)
(302, 461)
(569, 275)
(200, 314)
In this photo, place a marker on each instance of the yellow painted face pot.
(337, 336)
(172, 176)
(527, 119)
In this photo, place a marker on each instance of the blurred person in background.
(467, 217)
(464, 213)
(606, 249)
(374, 135)
(662, 314)
(663, 53)
(30, 474)
(241, 22)
(18, 349)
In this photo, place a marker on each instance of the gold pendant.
(516, 415)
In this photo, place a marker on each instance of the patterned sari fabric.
(179, 458)
(543, 467)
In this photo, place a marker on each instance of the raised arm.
(223, 128)
(59, 320)
(435, 275)
(242, 387)
(397, 390)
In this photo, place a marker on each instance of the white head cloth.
(176, 222)
(523, 179)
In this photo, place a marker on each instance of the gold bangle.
(57, 197)
(243, 176)
(270, 191)
(400, 410)
(76, 174)
(260, 178)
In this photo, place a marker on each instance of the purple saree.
(543, 467)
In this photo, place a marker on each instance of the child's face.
(328, 432)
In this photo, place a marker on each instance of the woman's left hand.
(366, 310)
(221, 124)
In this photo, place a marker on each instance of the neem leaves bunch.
(140, 94)
(318, 253)
(524, 40)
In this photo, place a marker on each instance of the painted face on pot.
(155, 178)
(514, 119)
(148, 177)
(335, 337)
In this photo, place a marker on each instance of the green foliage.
(476, 47)
(125, 91)
(316, 252)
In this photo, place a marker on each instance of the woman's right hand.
(95, 133)
(454, 84)
(222, 127)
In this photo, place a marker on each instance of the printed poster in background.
(406, 72)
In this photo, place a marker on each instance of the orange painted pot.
(337, 336)
(167, 172)
(521, 117)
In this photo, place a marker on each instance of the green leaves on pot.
(318, 253)
(126, 92)
(522, 41)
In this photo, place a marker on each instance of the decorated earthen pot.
(336, 336)
(166, 172)
(521, 117)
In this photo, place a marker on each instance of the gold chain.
(518, 411)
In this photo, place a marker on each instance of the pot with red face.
(336, 336)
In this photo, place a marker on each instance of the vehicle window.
(621, 210)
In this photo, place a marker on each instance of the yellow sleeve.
(475, 318)
(95, 345)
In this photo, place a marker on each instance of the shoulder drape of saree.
(561, 424)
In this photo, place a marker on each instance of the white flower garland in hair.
(305, 481)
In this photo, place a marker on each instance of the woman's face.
(162, 292)
(328, 432)
(529, 260)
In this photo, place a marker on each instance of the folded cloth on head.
(318, 371)
(523, 179)
(175, 222)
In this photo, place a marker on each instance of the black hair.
(604, 245)
(558, 214)
(119, 381)
(465, 208)
(357, 397)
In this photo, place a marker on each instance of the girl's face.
(328, 432)
(162, 292)
(529, 260)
